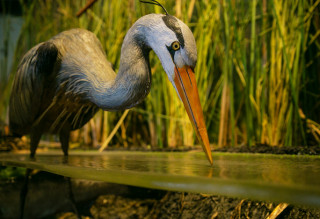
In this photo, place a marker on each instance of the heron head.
(174, 44)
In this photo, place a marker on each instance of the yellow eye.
(175, 45)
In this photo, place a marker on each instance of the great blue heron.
(61, 83)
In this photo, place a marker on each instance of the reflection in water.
(253, 175)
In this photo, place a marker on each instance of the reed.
(256, 70)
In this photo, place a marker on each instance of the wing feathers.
(29, 84)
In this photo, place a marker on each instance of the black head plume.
(154, 2)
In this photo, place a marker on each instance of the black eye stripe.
(171, 51)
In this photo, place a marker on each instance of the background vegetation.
(257, 71)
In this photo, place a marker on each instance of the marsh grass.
(256, 70)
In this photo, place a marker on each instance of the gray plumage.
(61, 83)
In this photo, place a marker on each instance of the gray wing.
(33, 76)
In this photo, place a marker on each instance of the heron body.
(61, 83)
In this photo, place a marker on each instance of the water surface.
(280, 178)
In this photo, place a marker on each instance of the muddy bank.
(267, 149)
(188, 205)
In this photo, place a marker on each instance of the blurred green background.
(258, 69)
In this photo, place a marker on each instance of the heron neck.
(133, 81)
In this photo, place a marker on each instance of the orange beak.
(185, 82)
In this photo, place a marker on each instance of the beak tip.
(203, 138)
(210, 159)
(209, 155)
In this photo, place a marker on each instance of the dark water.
(281, 178)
